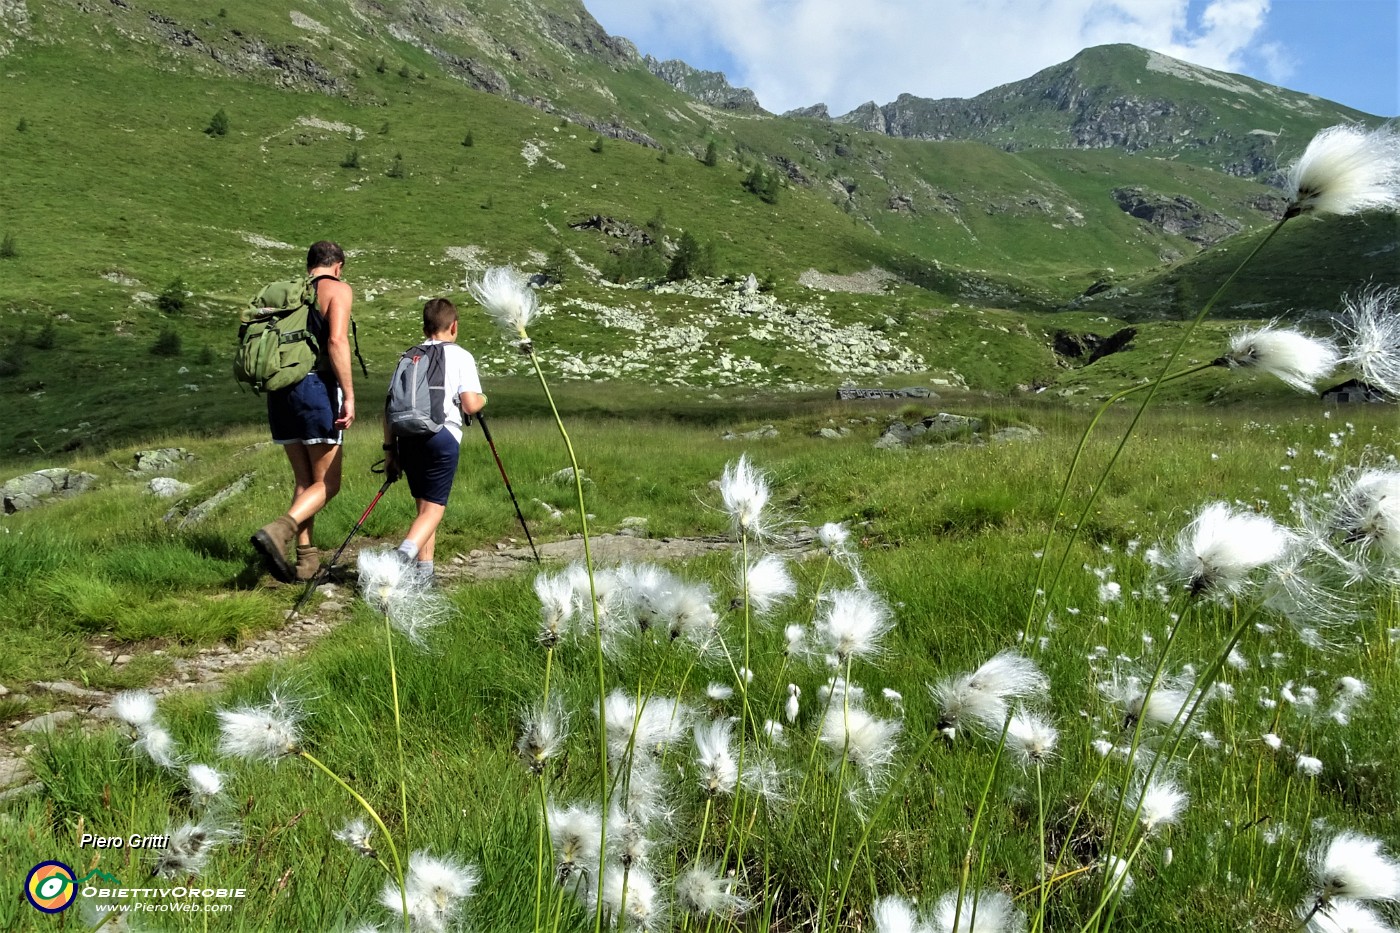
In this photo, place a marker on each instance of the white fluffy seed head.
(1118, 875)
(260, 733)
(158, 745)
(1031, 737)
(719, 771)
(355, 835)
(1345, 170)
(1217, 552)
(1158, 803)
(1367, 510)
(543, 729)
(392, 584)
(853, 623)
(895, 915)
(978, 700)
(436, 890)
(769, 583)
(510, 302)
(1343, 916)
(744, 491)
(204, 782)
(982, 912)
(702, 891)
(575, 832)
(556, 596)
(1291, 356)
(629, 894)
(189, 847)
(136, 708)
(1355, 866)
(865, 741)
(1370, 337)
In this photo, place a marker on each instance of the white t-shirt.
(459, 375)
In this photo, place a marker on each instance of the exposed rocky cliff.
(708, 87)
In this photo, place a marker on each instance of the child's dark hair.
(438, 315)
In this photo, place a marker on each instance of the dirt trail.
(207, 669)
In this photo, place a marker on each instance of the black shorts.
(305, 413)
(429, 462)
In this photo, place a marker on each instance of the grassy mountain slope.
(113, 189)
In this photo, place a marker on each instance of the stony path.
(210, 667)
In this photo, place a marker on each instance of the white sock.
(409, 549)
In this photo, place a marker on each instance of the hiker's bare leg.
(317, 471)
(423, 531)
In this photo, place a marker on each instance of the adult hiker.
(307, 418)
(434, 386)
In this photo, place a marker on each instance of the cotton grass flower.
(1031, 737)
(979, 699)
(719, 771)
(1118, 876)
(543, 729)
(555, 593)
(355, 835)
(1217, 552)
(853, 623)
(158, 745)
(261, 733)
(793, 705)
(1367, 510)
(982, 912)
(893, 914)
(136, 708)
(436, 890)
(768, 583)
(1293, 357)
(1344, 916)
(703, 892)
(392, 584)
(575, 833)
(204, 783)
(629, 899)
(1158, 803)
(658, 724)
(1370, 327)
(744, 491)
(1354, 866)
(1308, 766)
(863, 740)
(1345, 170)
(188, 849)
(510, 302)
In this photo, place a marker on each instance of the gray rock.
(331, 605)
(566, 477)
(48, 722)
(163, 487)
(833, 433)
(944, 423)
(161, 459)
(758, 434)
(634, 526)
(124, 659)
(31, 489)
(32, 789)
(73, 690)
(203, 510)
(1012, 434)
(13, 771)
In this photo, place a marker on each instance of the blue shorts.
(305, 413)
(429, 462)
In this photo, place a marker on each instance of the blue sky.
(793, 53)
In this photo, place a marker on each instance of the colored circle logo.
(51, 887)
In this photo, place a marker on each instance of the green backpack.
(276, 349)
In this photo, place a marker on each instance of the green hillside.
(432, 139)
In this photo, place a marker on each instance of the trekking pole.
(325, 571)
(492, 444)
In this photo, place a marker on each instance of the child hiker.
(435, 384)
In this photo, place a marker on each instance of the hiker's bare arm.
(471, 402)
(338, 298)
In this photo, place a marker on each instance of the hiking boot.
(272, 541)
(308, 562)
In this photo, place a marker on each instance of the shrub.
(22, 126)
(381, 67)
(205, 356)
(172, 299)
(351, 160)
(690, 259)
(762, 183)
(167, 342)
(597, 145)
(467, 140)
(404, 72)
(223, 12)
(396, 169)
(638, 261)
(384, 130)
(47, 338)
(556, 263)
(711, 156)
(218, 124)
(8, 249)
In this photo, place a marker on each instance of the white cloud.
(843, 52)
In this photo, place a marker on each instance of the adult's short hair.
(324, 253)
(438, 316)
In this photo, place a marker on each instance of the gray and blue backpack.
(417, 402)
